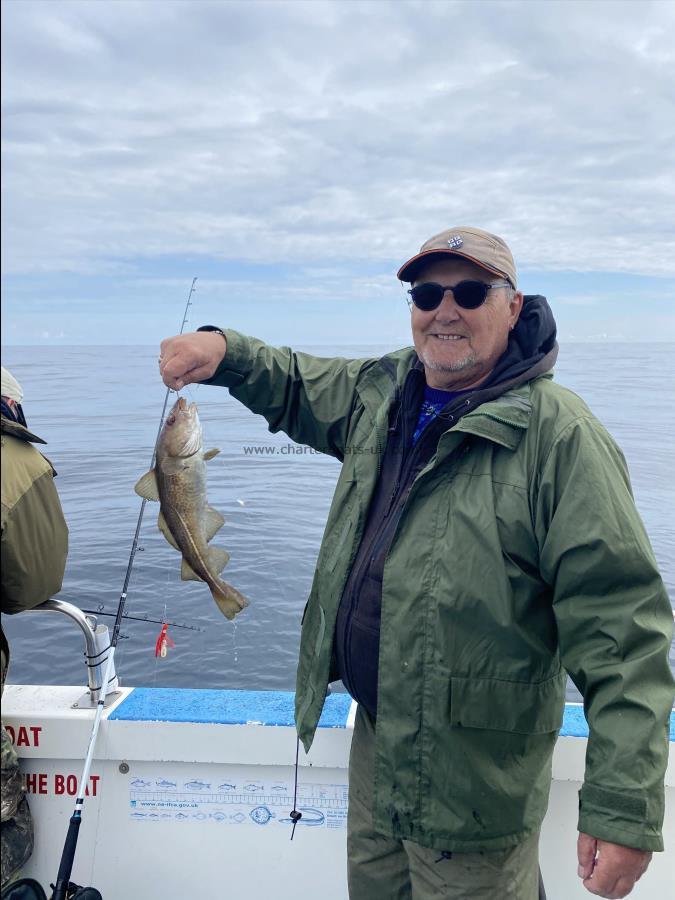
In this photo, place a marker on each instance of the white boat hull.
(190, 794)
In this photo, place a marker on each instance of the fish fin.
(228, 599)
(211, 453)
(146, 486)
(164, 528)
(187, 573)
(213, 522)
(218, 559)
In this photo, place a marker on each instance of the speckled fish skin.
(180, 473)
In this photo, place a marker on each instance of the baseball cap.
(474, 244)
(10, 387)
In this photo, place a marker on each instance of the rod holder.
(97, 645)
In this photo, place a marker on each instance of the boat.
(190, 791)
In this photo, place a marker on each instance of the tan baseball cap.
(11, 387)
(481, 247)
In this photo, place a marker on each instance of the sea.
(99, 409)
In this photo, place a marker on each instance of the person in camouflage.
(34, 549)
(17, 827)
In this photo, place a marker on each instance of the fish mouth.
(183, 406)
(183, 413)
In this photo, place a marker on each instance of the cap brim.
(409, 270)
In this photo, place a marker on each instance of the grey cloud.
(317, 131)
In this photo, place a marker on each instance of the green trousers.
(382, 868)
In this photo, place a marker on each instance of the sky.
(291, 155)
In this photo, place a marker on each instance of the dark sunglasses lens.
(427, 296)
(470, 294)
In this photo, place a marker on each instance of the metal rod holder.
(97, 641)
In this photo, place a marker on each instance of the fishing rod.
(60, 891)
(100, 612)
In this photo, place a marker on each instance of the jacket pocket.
(515, 706)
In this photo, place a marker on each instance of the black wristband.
(212, 328)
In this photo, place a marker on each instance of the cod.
(186, 520)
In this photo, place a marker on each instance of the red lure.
(163, 642)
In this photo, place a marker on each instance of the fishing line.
(295, 814)
(61, 888)
(157, 657)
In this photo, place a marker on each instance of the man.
(34, 549)
(482, 543)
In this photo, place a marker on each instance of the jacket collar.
(503, 420)
(19, 431)
(384, 379)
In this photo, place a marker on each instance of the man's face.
(460, 347)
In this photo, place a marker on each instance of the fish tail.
(228, 599)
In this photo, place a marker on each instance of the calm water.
(99, 410)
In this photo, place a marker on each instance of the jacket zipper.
(365, 560)
(405, 469)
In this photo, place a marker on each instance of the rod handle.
(67, 858)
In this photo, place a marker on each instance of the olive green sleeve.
(310, 398)
(34, 547)
(615, 625)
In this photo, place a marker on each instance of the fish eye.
(171, 420)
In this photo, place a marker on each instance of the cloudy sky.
(293, 154)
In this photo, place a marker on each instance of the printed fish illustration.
(186, 520)
(196, 785)
(310, 817)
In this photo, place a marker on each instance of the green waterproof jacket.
(520, 557)
(34, 532)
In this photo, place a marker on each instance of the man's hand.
(187, 358)
(609, 870)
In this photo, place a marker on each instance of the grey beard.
(457, 366)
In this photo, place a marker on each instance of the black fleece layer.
(531, 351)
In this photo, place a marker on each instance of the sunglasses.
(467, 294)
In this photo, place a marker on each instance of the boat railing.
(97, 646)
